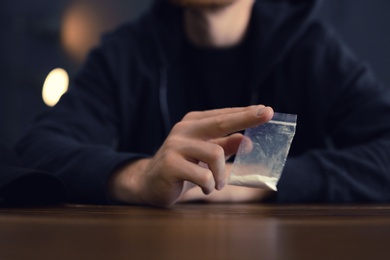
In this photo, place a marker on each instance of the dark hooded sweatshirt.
(145, 76)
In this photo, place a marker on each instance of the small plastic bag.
(262, 154)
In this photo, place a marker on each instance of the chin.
(202, 3)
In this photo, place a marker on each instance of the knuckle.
(207, 179)
(180, 127)
(217, 153)
(220, 123)
(172, 142)
(167, 160)
(191, 115)
(208, 176)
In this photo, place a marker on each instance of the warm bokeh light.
(56, 84)
(84, 21)
(80, 29)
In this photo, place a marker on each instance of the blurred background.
(42, 35)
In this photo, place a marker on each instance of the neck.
(218, 27)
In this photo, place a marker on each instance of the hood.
(280, 24)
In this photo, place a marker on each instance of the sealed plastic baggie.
(262, 155)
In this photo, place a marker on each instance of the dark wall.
(364, 26)
(30, 46)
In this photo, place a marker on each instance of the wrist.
(126, 185)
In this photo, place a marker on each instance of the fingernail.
(260, 110)
(221, 185)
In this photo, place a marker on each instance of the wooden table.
(196, 231)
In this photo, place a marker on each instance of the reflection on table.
(196, 231)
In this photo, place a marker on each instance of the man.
(125, 131)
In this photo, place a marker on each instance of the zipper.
(163, 97)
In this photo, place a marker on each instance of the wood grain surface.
(196, 231)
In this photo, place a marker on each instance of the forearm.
(354, 175)
(84, 169)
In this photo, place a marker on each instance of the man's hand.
(194, 153)
(230, 194)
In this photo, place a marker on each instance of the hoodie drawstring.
(163, 96)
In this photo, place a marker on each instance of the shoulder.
(322, 39)
(129, 45)
(130, 36)
(324, 51)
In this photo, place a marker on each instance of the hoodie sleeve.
(351, 109)
(77, 139)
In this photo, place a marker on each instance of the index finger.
(226, 123)
(195, 115)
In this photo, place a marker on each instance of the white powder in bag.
(254, 181)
